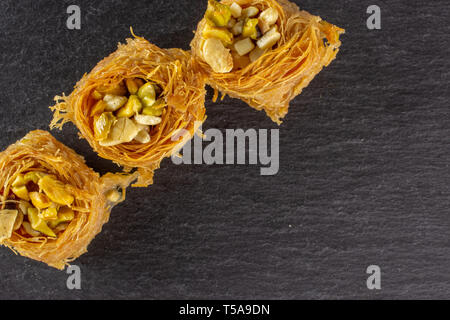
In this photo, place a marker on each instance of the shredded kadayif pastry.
(264, 52)
(52, 204)
(136, 105)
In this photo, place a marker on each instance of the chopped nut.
(49, 214)
(147, 94)
(116, 90)
(217, 56)
(244, 46)
(231, 23)
(19, 181)
(219, 14)
(61, 227)
(132, 85)
(21, 192)
(269, 39)
(114, 134)
(19, 220)
(250, 12)
(114, 103)
(135, 103)
(65, 214)
(156, 109)
(24, 206)
(238, 28)
(249, 30)
(102, 125)
(143, 136)
(98, 108)
(124, 130)
(7, 222)
(130, 131)
(236, 10)
(132, 107)
(30, 230)
(147, 120)
(39, 224)
(267, 18)
(33, 176)
(219, 33)
(40, 200)
(150, 111)
(55, 190)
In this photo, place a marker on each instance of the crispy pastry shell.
(184, 92)
(39, 150)
(273, 80)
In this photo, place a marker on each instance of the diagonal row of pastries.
(140, 105)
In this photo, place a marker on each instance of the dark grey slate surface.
(364, 174)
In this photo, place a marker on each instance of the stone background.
(364, 164)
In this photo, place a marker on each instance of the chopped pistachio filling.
(42, 207)
(245, 34)
(126, 112)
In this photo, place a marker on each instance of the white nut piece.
(30, 230)
(250, 12)
(147, 120)
(269, 39)
(124, 130)
(236, 10)
(113, 102)
(7, 221)
(18, 221)
(267, 19)
(143, 136)
(217, 56)
(244, 46)
(130, 130)
(24, 206)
